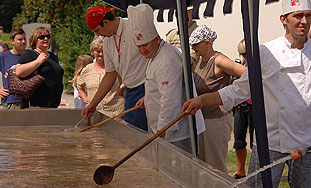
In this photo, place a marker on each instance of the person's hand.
(43, 57)
(85, 100)
(4, 93)
(122, 90)
(141, 103)
(88, 111)
(192, 106)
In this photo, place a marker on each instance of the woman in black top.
(40, 61)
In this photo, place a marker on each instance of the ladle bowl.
(104, 174)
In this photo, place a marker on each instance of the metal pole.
(251, 23)
(250, 13)
(183, 33)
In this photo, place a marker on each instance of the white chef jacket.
(165, 93)
(287, 94)
(132, 65)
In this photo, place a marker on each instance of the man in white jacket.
(121, 58)
(164, 86)
(286, 72)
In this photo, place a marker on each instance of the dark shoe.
(237, 176)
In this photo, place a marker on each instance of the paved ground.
(67, 101)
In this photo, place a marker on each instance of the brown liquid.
(48, 156)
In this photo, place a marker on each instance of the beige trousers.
(213, 142)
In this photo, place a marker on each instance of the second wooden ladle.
(104, 174)
(111, 118)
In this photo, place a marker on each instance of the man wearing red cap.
(121, 57)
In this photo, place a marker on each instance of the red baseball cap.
(95, 15)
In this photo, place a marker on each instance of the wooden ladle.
(104, 174)
(109, 119)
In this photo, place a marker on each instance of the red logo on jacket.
(165, 83)
(138, 36)
(295, 2)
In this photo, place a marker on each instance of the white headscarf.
(202, 33)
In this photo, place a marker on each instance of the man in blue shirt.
(7, 60)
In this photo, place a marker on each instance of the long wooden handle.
(111, 118)
(149, 140)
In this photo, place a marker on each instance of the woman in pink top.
(243, 119)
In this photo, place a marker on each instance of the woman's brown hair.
(82, 61)
(35, 35)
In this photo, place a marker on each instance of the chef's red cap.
(95, 15)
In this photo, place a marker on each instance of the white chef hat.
(289, 6)
(141, 22)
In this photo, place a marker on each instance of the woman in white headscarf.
(213, 72)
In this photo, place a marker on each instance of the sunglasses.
(42, 37)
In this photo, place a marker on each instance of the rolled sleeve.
(236, 93)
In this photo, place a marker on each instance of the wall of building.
(229, 27)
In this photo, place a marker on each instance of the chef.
(164, 85)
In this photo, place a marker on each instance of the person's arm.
(4, 93)
(122, 87)
(169, 82)
(208, 99)
(81, 86)
(104, 87)
(141, 102)
(230, 67)
(83, 96)
(24, 70)
(228, 96)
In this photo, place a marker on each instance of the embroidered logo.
(295, 3)
(295, 154)
(139, 36)
(165, 83)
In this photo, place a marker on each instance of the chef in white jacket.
(286, 75)
(164, 85)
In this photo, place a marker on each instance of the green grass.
(232, 161)
(232, 166)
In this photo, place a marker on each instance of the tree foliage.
(6, 16)
(70, 33)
